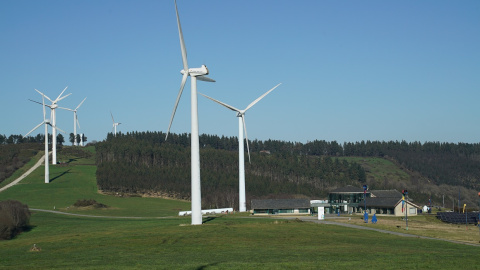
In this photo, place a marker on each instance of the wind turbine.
(45, 122)
(75, 121)
(114, 127)
(241, 158)
(194, 73)
(53, 118)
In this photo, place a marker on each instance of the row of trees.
(79, 138)
(40, 138)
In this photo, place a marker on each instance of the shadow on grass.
(208, 219)
(60, 175)
(16, 232)
(207, 265)
(71, 160)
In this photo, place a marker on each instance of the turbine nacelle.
(196, 71)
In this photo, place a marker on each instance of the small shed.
(281, 207)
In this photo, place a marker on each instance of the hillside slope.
(387, 173)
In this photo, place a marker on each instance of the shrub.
(14, 218)
(91, 202)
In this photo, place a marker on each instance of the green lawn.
(223, 242)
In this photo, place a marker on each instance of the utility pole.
(365, 216)
(406, 208)
(478, 221)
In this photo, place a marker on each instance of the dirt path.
(315, 220)
(92, 216)
(39, 162)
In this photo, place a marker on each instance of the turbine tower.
(75, 121)
(53, 119)
(114, 127)
(241, 149)
(45, 122)
(194, 73)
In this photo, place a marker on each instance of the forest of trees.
(144, 162)
(14, 156)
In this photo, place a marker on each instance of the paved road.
(39, 162)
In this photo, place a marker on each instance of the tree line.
(40, 138)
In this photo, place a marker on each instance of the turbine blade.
(57, 128)
(44, 95)
(34, 129)
(112, 117)
(40, 103)
(182, 85)
(262, 96)
(76, 120)
(60, 95)
(43, 106)
(80, 104)
(246, 137)
(182, 42)
(221, 103)
(58, 99)
(205, 78)
(65, 109)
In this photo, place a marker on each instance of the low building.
(388, 202)
(281, 207)
(346, 199)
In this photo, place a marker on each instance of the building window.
(285, 211)
(303, 210)
(412, 211)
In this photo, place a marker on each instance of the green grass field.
(234, 241)
(76, 180)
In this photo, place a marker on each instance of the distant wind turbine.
(114, 127)
(241, 149)
(45, 122)
(75, 121)
(53, 119)
(194, 73)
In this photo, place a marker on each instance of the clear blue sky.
(351, 70)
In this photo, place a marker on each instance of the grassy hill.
(229, 241)
(75, 180)
(383, 173)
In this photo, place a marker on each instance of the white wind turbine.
(194, 73)
(45, 122)
(75, 121)
(241, 149)
(53, 119)
(114, 127)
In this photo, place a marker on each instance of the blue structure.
(374, 219)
